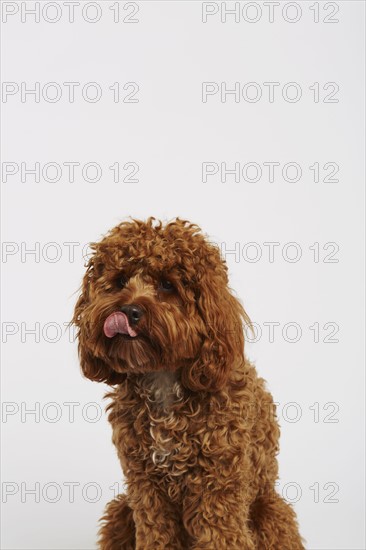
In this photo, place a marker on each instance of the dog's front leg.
(217, 519)
(156, 522)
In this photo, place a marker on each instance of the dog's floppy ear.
(92, 366)
(223, 339)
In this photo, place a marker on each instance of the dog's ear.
(223, 339)
(92, 366)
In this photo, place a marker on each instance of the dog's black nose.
(133, 312)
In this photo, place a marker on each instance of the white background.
(169, 133)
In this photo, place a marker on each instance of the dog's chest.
(164, 393)
(167, 422)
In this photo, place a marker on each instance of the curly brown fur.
(194, 428)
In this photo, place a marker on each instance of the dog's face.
(154, 298)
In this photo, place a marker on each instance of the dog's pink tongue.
(117, 323)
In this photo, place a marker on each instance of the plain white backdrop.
(160, 71)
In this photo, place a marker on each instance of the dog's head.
(154, 298)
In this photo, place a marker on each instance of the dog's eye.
(122, 281)
(166, 285)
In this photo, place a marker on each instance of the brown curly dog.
(194, 428)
